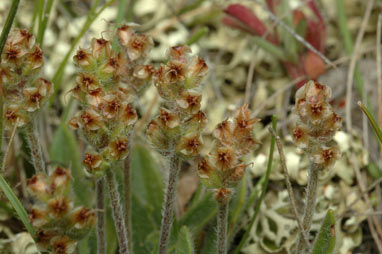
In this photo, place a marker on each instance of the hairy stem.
(222, 227)
(101, 242)
(310, 203)
(34, 145)
(168, 209)
(119, 220)
(127, 187)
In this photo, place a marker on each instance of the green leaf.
(111, 235)
(269, 47)
(200, 213)
(64, 150)
(185, 244)
(326, 236)
(143, 225)
(147, 181)
(209, 241)
(15, 202)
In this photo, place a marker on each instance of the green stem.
(119, 220)
(310, 205)
(101, 242)
(168, 209)
(222, 227)
(127, 187)
(35, 147)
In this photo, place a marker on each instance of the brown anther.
(192, 100)
(10, 115)
(35, 97)
(81, 55)
(164, 116)
(60, 248)
(11, 54)
(328, 155)
(59, 171)
(121, 146)
(25, 33)
(319, 85)
(37, 54)
(224, 158)
(243, 123)
(176, 71)
(316, 108)
(59, 206)
(204, 168)
(101, 41)
(95, 92)
(223, 195)
(113, 62)
(298, 133)
(89, 159)
(137, 43)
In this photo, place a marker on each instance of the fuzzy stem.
(127, 187)
(222, 227)
(310, 203)
(101, 242)
(168, 209)
(34, 144)
(119, 220)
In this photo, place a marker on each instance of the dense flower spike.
(316, 124)
(106, 87)
(315, 127)
(23, 90)
(223, 168)
(176, 131)
(59, 225)
(180, 124)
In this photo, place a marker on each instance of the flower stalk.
(35, 147)
(100, 212)
(168, 208)
(119, 220)
(127, 191)
(222, 227)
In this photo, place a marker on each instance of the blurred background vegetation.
(251, 59)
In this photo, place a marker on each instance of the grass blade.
(264, 188)
(269, 47)
(43, 21)
(8, 24)
(372, 121)
(15, 202)
(197, 35)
